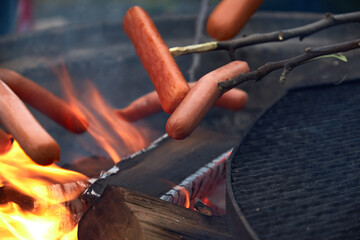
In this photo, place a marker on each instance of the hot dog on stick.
(156, 58)
(22, 125)
(44, 101)
(199, 100)
(149, 104)
(229, 17)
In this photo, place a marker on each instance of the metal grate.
(296, 175)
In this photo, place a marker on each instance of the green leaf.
(339, 56)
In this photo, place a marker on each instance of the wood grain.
(155, 171)
(124, 214)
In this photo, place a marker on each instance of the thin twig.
(196, 58)
(277, 36)
(289, 64)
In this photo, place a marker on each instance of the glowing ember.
(206, 201)
(187, 195)
(49, 219)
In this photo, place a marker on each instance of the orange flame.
(187, 195)
(49, 187)
(115, 135)
(49, 219)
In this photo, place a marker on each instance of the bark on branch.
(289, 64)
(328, 21)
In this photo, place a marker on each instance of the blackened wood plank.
(155, 171)
(124, 214)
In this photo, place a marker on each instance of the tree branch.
(289, 64)
(277, 36)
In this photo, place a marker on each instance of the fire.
(187, 195)
(115, 135)
(48, 218)
(34, 196)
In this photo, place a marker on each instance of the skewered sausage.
(199, 100)
(22, 125)
(149, 104)
(229, 17)
(44, 101)
(156, 58)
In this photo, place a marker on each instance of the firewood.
(92, 166)
(64, 193)
(123, 214)
(158, 169)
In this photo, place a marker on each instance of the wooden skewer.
(44, 101)
(32, 137)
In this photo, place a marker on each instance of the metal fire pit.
(103, 54)
(296, 173)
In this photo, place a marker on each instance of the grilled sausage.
(149, 104)
(44, 101)
(229, 17)
(156, 58)
(142, 107)
(32, 137)
(199, 100)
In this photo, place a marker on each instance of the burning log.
(44, 101)
(203, 208)
(124, 214)
(9, 194)
(32, 137)
(30, 192)
(64, 193)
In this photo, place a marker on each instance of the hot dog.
(142, 107)
(156, 58)
(149, 104)
(234, 99)
(199, 100)
(229, 17)
(44, 101)
(33, 139)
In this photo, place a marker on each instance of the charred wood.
(123, 214)
(160, 168)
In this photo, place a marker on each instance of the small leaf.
(339, 56)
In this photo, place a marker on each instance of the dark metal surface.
(296, 173)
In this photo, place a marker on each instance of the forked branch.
(328, 21)
(289, 64)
